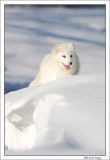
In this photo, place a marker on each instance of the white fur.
(52, 66)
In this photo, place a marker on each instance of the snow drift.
(54, 119)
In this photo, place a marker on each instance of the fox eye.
(64, 56)
(71, 55)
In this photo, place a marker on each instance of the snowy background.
(74, 121)
(30, 33)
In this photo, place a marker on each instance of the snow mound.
(59, 118)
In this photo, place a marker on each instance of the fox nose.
(70, 63)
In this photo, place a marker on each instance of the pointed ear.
(72, 44)
(56, 48)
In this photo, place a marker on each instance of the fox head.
(64, 54)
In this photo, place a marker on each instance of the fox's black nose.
(70, 63)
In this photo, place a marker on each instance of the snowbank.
(65, 117)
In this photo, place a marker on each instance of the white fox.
(60, 63)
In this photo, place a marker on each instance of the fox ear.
(72, 44)
(56, 48)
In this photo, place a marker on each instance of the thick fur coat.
(62, 62)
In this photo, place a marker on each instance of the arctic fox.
(62, 62)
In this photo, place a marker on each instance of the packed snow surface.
(67, 116)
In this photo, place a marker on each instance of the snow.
(62, 116)
(67, 116)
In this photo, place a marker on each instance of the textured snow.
(67, 116)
